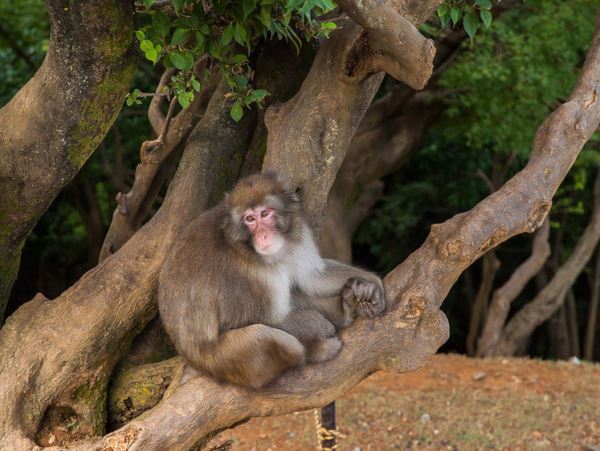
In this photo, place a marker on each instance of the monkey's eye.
(249, 219)
(265, 212)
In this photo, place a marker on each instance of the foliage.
(472, 14)
(24, 33)
(226, 32)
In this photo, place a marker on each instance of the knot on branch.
(429, 333)
(412, 305)
(496, 238)
(122, 204)
(537, 217)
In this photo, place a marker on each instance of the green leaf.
(140, 35)
(455, 14)
(442, 10)
(265, 16)
(189, 60)
(486, 17)
(227, 35)
(329, 25)
(240, 34)
(239, 58)
(471, 24)
(200, 42)
(146, 46)
(236, 111)
(205, 30)
(179, 36)
(152, 55)
(177, 60)
(247, 7)
(484, 4)
(241, 81)
(196, 85)
(177, 4)
(260, 94)
(184, 99)
(161, 23)
(148, 3)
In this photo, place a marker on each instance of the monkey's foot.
(324, 350)
(364, 297)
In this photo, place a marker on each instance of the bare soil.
(453, 402)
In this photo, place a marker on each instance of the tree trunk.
(55, 122)
(505, 295)
(490, 265)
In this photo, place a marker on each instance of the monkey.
(245, 295)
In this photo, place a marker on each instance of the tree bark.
(55, 122)
(590, 330)
(552, 296)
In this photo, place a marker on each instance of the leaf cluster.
(226, 32)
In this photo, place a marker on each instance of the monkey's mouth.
(270, 248)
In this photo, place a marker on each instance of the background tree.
(322, 129)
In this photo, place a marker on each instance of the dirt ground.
(453, 403)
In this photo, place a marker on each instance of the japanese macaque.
(245, 295)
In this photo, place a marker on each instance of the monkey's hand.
(364, 297)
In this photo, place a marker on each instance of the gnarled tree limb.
(392, 44)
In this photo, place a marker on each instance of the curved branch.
(155, 114)
(393, 44)
(507, 293)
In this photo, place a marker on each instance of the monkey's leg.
(251, 356)
(314, 331)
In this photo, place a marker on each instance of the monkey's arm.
(341, 292)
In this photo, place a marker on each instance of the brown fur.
(218, 297)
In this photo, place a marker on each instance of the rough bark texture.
(551, 298)
(55, 122)
(507, 293)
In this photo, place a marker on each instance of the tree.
(305, 136)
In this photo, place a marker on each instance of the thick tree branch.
(392, 43)
(54, 123)
(507, 293)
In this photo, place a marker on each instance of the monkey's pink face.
(261, 222)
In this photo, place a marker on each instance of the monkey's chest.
(279, 282)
